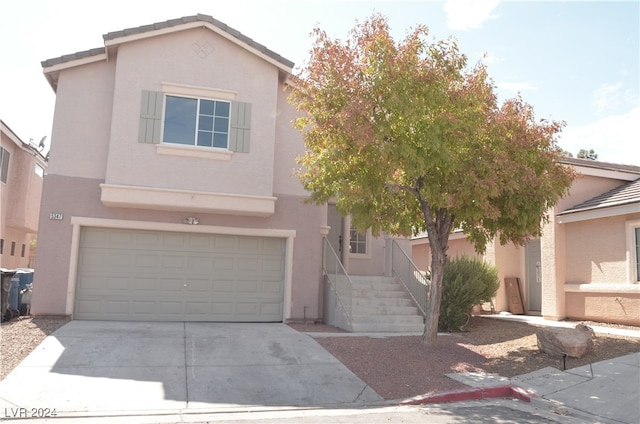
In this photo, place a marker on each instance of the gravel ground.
(395, 367)
(400, 366)
(20, 336)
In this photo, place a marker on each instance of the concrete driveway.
(96, 367)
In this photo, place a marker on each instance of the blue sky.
(573, 61)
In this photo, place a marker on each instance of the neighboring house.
(22, 168)
(171, 193)
(586, 264)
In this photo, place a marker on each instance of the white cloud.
(610, 98)
(469, 14)
(516, 87)
(606, 97)
(614, 138)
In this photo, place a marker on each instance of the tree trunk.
(438, 228)
(438, 259)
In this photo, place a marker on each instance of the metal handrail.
(338, 279)
(413, 280)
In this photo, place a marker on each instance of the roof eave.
(598, 212)
(114, 42)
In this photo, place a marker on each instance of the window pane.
(357, 242)
(39, 170)
(205, 123)
(220, 140)
(206, 107)
(180, 120)
(222, 125)
(222, 109)
(637, 253)
(204, 138)
(4, 164)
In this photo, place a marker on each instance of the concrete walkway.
(112, 368)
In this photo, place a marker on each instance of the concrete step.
(385, 301)
(387, 319)
(380, 294)
(382, 305)
(387, 328)
(384, 310)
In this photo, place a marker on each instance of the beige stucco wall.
(509, 260)
(623, 308)
(596, 251)
(19, 202)
(458, 246)
(145, 65)
(81, 125)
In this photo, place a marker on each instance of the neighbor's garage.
(167, 276)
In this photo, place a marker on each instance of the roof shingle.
(622, 195)
(167, 24)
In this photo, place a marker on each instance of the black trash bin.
(5, 287)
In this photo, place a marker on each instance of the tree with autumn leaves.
(407, 138)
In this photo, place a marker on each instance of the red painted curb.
(471, 394)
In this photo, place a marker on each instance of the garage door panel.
(144, 275)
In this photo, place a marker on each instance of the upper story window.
(195, 116)
(4, 164)
(196, 122)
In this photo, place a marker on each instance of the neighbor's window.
(357, 242)
(24, 250)
(1, 246)
(196, 122)
(633, 250)
(637, 231)
(39, 170)
(4, 164)
(13, 248)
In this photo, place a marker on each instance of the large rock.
(575, 342)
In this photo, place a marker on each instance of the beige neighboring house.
(22, 168)
(586, 264)
(170, 193)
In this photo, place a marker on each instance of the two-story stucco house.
(22, 168)
(171, 192)
(586, 265)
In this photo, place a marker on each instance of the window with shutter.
(191, 121)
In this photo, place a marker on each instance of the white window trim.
(197, 152)
(170, 88)
(632, 258)
(366, 255)
(187, 150)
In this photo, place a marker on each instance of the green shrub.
(466, 282)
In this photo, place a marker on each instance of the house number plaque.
(57, 216)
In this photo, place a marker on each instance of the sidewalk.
(602, 392)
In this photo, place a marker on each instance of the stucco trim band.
(126, 196)
(602, 288)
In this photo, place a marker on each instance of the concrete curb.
(472, 394)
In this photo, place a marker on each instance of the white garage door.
(165, 276)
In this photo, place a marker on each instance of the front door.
(335, 236)
(534, 276)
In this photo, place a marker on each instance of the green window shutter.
(239, 136)
(150, 117)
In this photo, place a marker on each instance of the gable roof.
(608, 166)
(115, 38)
(624, 199)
